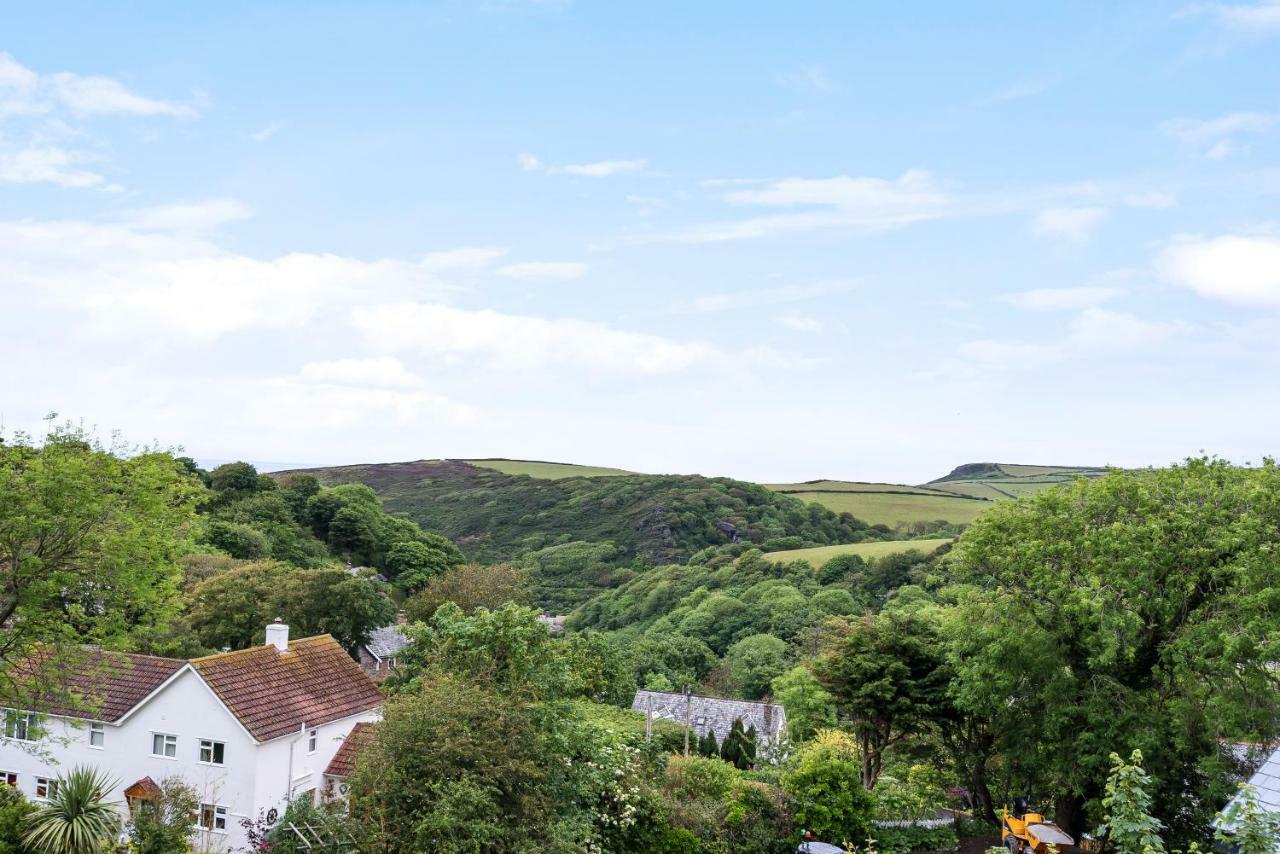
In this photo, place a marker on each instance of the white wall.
(253, 779)
(185, 708)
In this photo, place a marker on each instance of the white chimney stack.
(278, 635)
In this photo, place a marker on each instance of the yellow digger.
(1024, 831)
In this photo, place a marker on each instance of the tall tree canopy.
(1139, 610)
(89, 539)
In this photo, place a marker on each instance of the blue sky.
(775, 241)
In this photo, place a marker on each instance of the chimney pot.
(278, 635)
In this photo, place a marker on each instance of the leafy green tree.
(89, 539)
(887, 675)
(843, 567)
(1130, 826)
(470, 587)
(232, 609)
(163, 825)
(826, 791)
(296, 490)
(1132, 610)
(240, 541)
(234, 479)
(680, 660)
(353, 531)
(755, 661)
(458, 767)
(598, 669)
(507, 648)
(77, 818)
(1246, 825)
(15, 815)
(808, 705)
(412, 564)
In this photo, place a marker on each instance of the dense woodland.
(1134, 615)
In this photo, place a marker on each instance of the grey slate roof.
(386, 642)
(1266, 780)
(713, 713)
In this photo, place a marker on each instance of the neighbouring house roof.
(93, 684)
(1266, 781)
(386, 642)
(716, 714)
(274, 693)
(146, 789)
(344, 761)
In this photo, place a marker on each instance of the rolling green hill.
(887, 503)
(655, 519)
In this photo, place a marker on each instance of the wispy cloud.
(1216, 138)
(811, 78)
(375, 371)
(1255, 19)
(25, 91)
(596, 169)
(729, 300)
(1061, 299)
(48, 164)
(1018, 90)
(1072, 224)
(269, 131)
(532, 271)
(843, 201)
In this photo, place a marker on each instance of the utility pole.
(688, 706)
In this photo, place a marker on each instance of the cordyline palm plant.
(78, 817)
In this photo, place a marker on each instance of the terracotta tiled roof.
(274, 693)
(344, 761)
(95, 685)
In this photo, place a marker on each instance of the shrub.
(825, 786)
(163, 825)
(15, 813)
(698, 778)
(901, 840)
(757, 820)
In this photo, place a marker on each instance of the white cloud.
(1239, 269)
(810, 77)
(602, 168)
(842, 201)
(598, 169)
(376, 371)
(729, 300)
(24, 91)
(1061, 299)
(1216, 137)
(463, 258)
(49, 165)
(198, 216)
(1018, 91)
(1073, 224)
(1250, 18)
(143, 276)
(526, 343)
(1151, 200)
(269, 131)
(544, 270)
(800, 323)
(345, 407)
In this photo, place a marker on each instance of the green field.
(820, 555)
(546, 471)
(849, 486)
(890, 508)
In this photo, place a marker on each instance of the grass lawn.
(820, 555)
(889, 508)
(546, 471)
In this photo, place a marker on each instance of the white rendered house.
(249, 729)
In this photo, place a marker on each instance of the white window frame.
(21, 726)
(218, 814)
(98, 729)
(313, 740)
(9, 778)
(168, 740)
(212, 745)
(50, 786)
